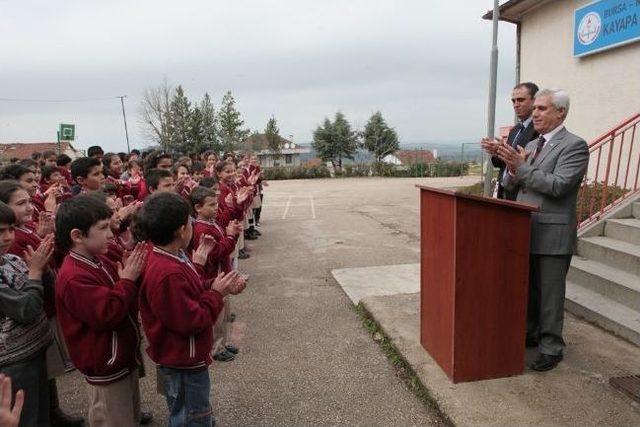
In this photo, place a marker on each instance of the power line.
(111, 98)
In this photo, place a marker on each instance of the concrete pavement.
(304, 357)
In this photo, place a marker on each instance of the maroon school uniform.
(97, 315)
(25, 235)
(177, 312)
(219, 257)
(236, 212)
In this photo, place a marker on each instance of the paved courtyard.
(304, 357)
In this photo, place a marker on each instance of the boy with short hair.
(96, 306)
(178, 310)
(225, 232)
(96, 152)
(159, 180)
(87, 172)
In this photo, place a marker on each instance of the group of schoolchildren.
(103, 253)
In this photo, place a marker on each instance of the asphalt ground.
(305, 359)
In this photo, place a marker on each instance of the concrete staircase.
(603, 284)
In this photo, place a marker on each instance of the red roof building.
(24, 150)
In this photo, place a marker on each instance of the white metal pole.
(491, 113)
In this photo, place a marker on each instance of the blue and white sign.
(605, 24)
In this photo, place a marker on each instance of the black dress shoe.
(243, 255)
(531, 342)
(224, 356)
(248, 236)
(256, 232)
(545, 362)
(59, 418)
(145, 418)
(232, 349)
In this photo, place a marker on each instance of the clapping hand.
(200, 255)
(490, 145)
(45, 224)
(513, 158)
(238, 285)
(228, 200)
(234, 228)
(225, 283)
(37, 259)
(133, 264)
(243, 194)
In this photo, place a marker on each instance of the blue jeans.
(188, 396)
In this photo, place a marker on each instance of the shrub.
(296, 172)
(592, 194)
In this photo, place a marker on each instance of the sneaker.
(224, 356)
(243, 255)
(145, 418)
(232, 349)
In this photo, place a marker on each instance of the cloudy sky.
(423, 63)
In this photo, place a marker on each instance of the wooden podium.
(474, 283)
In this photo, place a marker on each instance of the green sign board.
(67, 132)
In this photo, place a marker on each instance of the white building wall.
(604, 87)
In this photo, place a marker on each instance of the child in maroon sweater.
(178, 310)
(96, 306)
(205, 205)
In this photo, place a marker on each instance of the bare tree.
(155, 114)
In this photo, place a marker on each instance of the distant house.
(24, 150)
(409, 157)
(289, 154)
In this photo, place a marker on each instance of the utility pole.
(491, 114)
(124, 117)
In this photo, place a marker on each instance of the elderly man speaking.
(548, 173)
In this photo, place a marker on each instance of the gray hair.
(559, 98)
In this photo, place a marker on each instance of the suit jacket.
(529, 133)
(552, 182)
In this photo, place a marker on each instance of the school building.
(591, 49)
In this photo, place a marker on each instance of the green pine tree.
(345, 139)
(324, 142)
(179, 122)
(272, 133)
(229, 125)
(208, 130)
(378, 138)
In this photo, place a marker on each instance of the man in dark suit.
(548, 173)
(522, 99)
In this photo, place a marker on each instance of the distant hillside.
(446, 151)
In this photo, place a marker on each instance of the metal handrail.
(618, 153)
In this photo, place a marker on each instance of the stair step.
(612, 252)
(635, 209)
(625, 229)
(604, 312)
(615, 284)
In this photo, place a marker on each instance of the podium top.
(481, 199)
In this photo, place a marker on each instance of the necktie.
(519, 128)
(541, 142)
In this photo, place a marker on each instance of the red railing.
(614, 172)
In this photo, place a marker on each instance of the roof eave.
(513, 10)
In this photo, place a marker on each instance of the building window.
(288, 158)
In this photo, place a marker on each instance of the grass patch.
(401, 367)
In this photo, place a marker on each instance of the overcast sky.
(424, 64)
